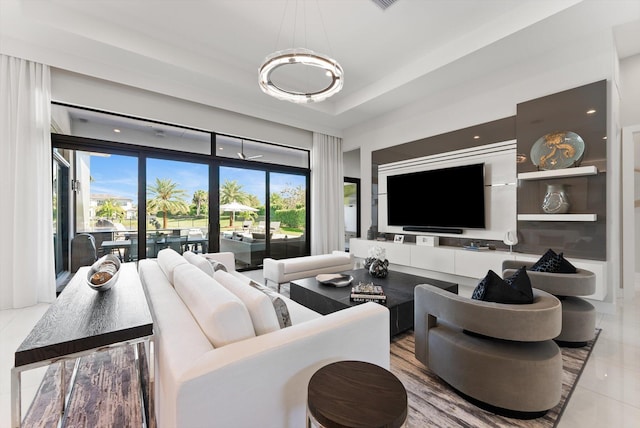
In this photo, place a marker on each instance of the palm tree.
(110, 209)
(166, 197)
(231, 191)
(200, 198)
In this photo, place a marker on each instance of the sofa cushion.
(551, 262)
(515, 289)
(168, 260)
(279, 305)
(221, 315)
(261, 310)
(205, 264)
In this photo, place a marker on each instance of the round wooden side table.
(350, 394)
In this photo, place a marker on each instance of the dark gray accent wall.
(490, 132)
(566, 111)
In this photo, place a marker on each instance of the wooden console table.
(82, 321)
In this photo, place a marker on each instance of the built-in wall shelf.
(557, 217)
(559, 173)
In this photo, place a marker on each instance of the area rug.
(432, 403)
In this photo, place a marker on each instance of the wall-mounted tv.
(437, 199)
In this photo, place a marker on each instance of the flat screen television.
(437, 199)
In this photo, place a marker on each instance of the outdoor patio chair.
(83, 251)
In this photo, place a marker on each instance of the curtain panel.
(26, 253)
(327, 188)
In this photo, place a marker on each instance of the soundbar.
(432, 229)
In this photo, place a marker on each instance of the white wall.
(630, 117)
(81, 90)
(636, 175)
(630, 88)
(351, 162)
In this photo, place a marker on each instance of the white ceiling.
(209, 51)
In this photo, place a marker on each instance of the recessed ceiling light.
(604, 138)
(521, 157)
(116, 130)
(592, 111)
(476, 137)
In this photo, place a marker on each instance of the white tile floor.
(607, 395)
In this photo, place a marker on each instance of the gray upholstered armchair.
(578, 315)
(501, 356)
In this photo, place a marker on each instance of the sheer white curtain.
(26, 241)
(327, 190)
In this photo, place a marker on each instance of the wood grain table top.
(82, 318)
(357, 394)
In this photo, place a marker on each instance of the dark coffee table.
(398, 287)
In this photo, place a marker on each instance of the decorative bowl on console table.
(104, 273)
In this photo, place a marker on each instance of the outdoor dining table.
(154, 245)
(124, 244)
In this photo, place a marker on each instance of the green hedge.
(291, 218)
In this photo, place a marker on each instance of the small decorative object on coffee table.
(334, 279)
(377, 262)
(368, 292)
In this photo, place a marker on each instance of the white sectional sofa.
(220, 361)
(286, 270)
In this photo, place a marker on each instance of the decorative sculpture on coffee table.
(377, 262)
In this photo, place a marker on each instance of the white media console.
(466, 267)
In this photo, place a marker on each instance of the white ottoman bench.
(286, 270)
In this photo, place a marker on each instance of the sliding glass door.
(61, 216)
(242, 214)
(262, 214)
(137, 186)
(177, 201)
(288, 215)
(351, 209)
(106, 206)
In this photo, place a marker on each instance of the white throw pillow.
(261, 310)
(168, 259)
(221, 315)
(278, 302)
(205, 264)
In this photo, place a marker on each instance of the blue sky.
(118, 175)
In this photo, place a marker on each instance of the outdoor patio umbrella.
(235, 207)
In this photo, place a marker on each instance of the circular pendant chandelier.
(307, 58)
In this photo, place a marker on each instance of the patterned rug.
(434, 404)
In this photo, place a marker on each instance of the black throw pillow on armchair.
(553, 263)
(515, 289)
